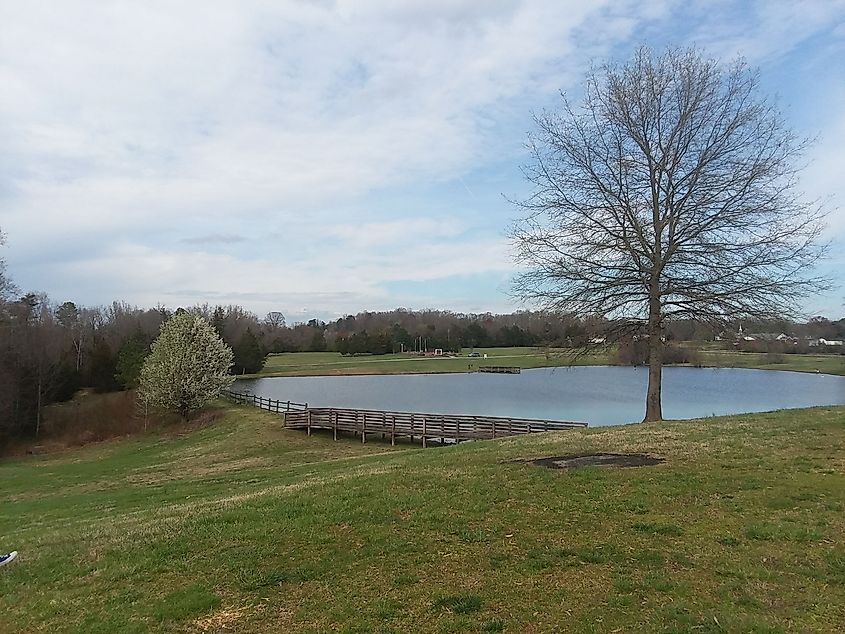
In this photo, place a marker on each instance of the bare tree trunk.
(653, 405)
(78, 345)
(38, 409)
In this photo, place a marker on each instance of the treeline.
(403, 330)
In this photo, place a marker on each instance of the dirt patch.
(221, 620)
(598, 460)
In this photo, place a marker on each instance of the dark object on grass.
(598, 460)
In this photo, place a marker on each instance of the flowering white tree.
(187, 367)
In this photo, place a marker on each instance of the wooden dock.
(499, 369)
(425, 427)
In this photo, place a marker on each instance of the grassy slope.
(323, 363)
(249, 527)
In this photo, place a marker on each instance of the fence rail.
(271, 405)
(499, 369)
(426, 427)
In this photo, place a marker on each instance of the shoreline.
(358, 371)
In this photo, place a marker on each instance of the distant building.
(821, 341)
(768, 336)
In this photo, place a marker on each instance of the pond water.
(599, 395)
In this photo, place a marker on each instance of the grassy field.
(825, 363)
(313, 363)
(327, 363)
(246, 527)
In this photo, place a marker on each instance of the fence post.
(333, 414)
(494, 428)
(364, 427)
(392, 430)
(308, 424)
(424, 431)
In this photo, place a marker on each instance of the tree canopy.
(248, 355)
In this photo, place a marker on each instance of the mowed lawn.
(824, 363)
(246, 527)
(333, 363)
(329, 363)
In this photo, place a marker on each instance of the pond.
(599, 395)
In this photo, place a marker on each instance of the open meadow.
(328, 363)
(333, 363)
(244, 526)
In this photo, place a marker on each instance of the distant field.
(244, 526)
(825, 363)
(329, 363)
(311, 363)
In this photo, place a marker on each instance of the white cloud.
(126, 123)
(761, 30)
(139, 138)
(333, 283)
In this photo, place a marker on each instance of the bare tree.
(275, 319)
(67, 314)
(669, 193)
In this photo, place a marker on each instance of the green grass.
(328, 363)
(243, 526)
(824, 363)
(333, 363)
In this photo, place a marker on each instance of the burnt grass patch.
(575, 461)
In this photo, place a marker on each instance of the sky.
(323, 158)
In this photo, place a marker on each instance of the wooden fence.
(269, 404)
(451, 427)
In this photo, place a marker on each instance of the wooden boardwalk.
(499, 369)
(393, 425)
(425, 427)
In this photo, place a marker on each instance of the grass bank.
(243, 526)
(333, 363)
(824, 363)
